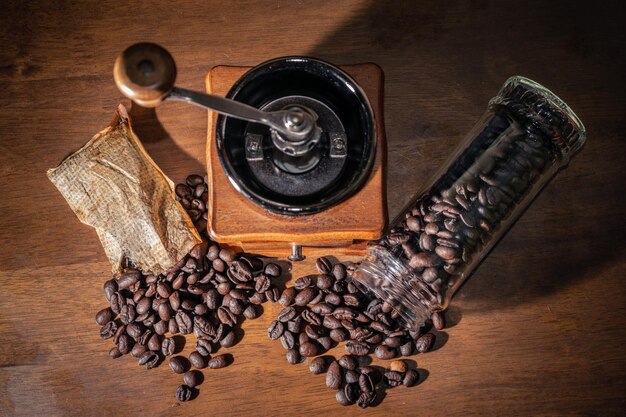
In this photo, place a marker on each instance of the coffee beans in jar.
(519, 144)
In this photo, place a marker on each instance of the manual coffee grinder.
(295, 149)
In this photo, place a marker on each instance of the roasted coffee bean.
(212, 299)
(213, 252)
(199, 310)
(227, 255)
(172, 326)
(288, 297)
(275, 330)
(309, 349)
(250, 312)
(121, 330)
(218, 361)
(150, 359)
(339, 272)
(330, 322)
(128, 278)
(295, 325)
(163, 290)
(273, 294)
(424, 343)
(226, 316)
(365, 383)
(197, 360)
(104, 316)
(318, 365)
(352, 391)
(334, 376)
(263, 284)
(183, 320)
(366, 399)
(115, 353)
(344, 313)
(124, 344)
(304, 282)
(324, 281)
(410, 378)
(192, 378)
(305, 296)
(393, 342)
(438, 320)
(236, 307)
(373, 373)
(229, 339)
(339, 335)
(108, 330)
(348, 362)
(168, 346)
(179, 364)
(333, 299)
(204, 347)
(323, 265)
(184, 393)
(341, 398)
(351, 377)
(406, 349)
(137, 350)
(110, 287)
(360, 333)
(385, 352)
(325, 342)
(287, 339)
(127, 314)
(273, 270)
(398, 366)
(241, 271)
(293, 356)
(145, 337)
(288, 313)
(134, 330)
(375, 339)
(314, 332)
(357, 348)
(303, 338)
(322, 308)
(117, 301)
(311, 317)
(393, 378)
(154, 343)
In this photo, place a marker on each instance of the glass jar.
(526, 135)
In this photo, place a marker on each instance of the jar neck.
(382, 275)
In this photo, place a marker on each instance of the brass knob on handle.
(145, 73)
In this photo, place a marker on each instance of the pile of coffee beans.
(445, 233)
(361, 384)
(208, 293)
(325, 309)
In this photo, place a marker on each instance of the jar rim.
(572, 141)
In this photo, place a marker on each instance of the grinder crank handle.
(146, 72)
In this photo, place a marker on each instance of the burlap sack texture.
(113, 185)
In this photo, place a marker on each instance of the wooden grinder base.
(234, 219)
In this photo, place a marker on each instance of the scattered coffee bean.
(398, 366)
(197, 360)
(218, 361)
(192, 378)
(334, 376)
(179, 364)
(184, 393)
(410, 378)
(318, 365)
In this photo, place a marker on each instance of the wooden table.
(538, 329)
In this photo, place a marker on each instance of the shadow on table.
(468, 49)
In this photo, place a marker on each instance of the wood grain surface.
(538, 329)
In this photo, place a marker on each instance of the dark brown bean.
(410, 378)
(366, 399)
(309, 349)
(293, 356)
(424, 343)
(104, 316)
(184, 393)
(324, 266)
(218, 361)
(305, 296)
(192, 378)
(275, 330)
(393, 378)
(197, 360)
(318, 365)
(334, 376)
(357, 348)
(439, 321)
(288, 296)
(348, 362)
(179, 364)
(385, 352)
